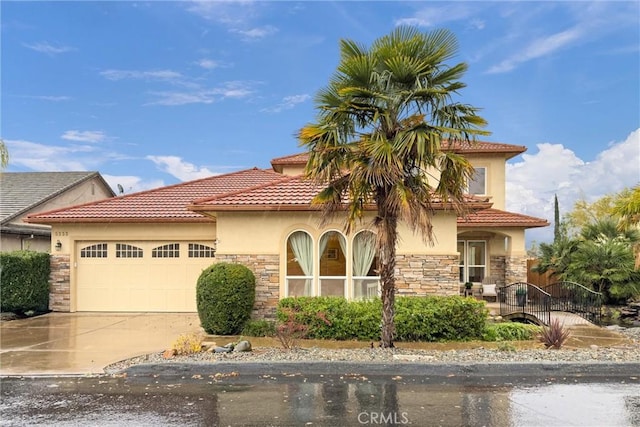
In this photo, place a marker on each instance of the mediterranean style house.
(145, 251)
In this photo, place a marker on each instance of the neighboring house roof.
(25, 191)
(478, 147)
(497, 218)
(290, 193)
(165, 204)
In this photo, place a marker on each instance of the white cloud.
(84, 136)
(256, 33)
(208, 64)
(233, 89)
(177, 167)
(51, 158)
(131, 184)
(47, 48)
(554, 169)
(432, 16)
(47, 97)
(163, 75)
(288, 102)
(538, 48)
(224, 12)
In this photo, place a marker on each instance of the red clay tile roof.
(479, 147)
(166, 204)
(497, 218)
(288, 194)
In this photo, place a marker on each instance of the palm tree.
(4, 155)
(383, 120)
(627, 207)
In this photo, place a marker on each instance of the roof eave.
(501, 224)
(48, 221)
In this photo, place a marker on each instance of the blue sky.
(154, 93)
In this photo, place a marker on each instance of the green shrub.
(439, 318)
(25, 281)
(259, 328)
(417, 318)
(509, 331)
(225, 295)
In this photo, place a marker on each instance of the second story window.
(478, 184)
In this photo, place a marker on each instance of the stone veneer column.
(60, 283)
(515, 269)
(266, 268)
(420, 275)
(497, 269)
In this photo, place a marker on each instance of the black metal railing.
(576, 298)
(526, 301)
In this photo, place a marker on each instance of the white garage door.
(155, 276)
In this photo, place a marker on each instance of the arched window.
(99, 250)
(299, 264)
(366, 282)
(333, 264)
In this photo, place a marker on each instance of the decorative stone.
(169, 353)
(243, 346)
(222, 349)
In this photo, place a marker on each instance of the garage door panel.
(143, 283)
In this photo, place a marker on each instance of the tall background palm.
(4, 155)
(378, 141)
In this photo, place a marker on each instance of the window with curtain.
(333, 264)
(366, 282)
(299, 264)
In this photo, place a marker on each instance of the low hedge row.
(433, 318)
(25, 281)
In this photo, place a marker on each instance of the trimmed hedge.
(259, 328)
(510, 331)
(225, 295)
(25, 281)
(416, 318)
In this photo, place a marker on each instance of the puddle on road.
(330, 401)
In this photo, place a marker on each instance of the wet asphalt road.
(330, 395)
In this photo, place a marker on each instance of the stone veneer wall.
(497, 269)
(420, 275)
(266, 268)
(60, 283)
(515, 269)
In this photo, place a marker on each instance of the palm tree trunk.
(387, 232)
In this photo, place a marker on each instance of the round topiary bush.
(225, 295)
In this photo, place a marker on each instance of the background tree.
(4, 155)
(556, 219)
(378, 138)
(627, 208)
(600, 257)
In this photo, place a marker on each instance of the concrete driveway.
(84, 343)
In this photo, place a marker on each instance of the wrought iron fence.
(576, 298)
(525, 300)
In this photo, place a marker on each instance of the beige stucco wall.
(16, 242)
(495, 178)
(292, 170)
(241, 233)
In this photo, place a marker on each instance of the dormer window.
(478, 184)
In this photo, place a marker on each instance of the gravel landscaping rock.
(627, 352)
